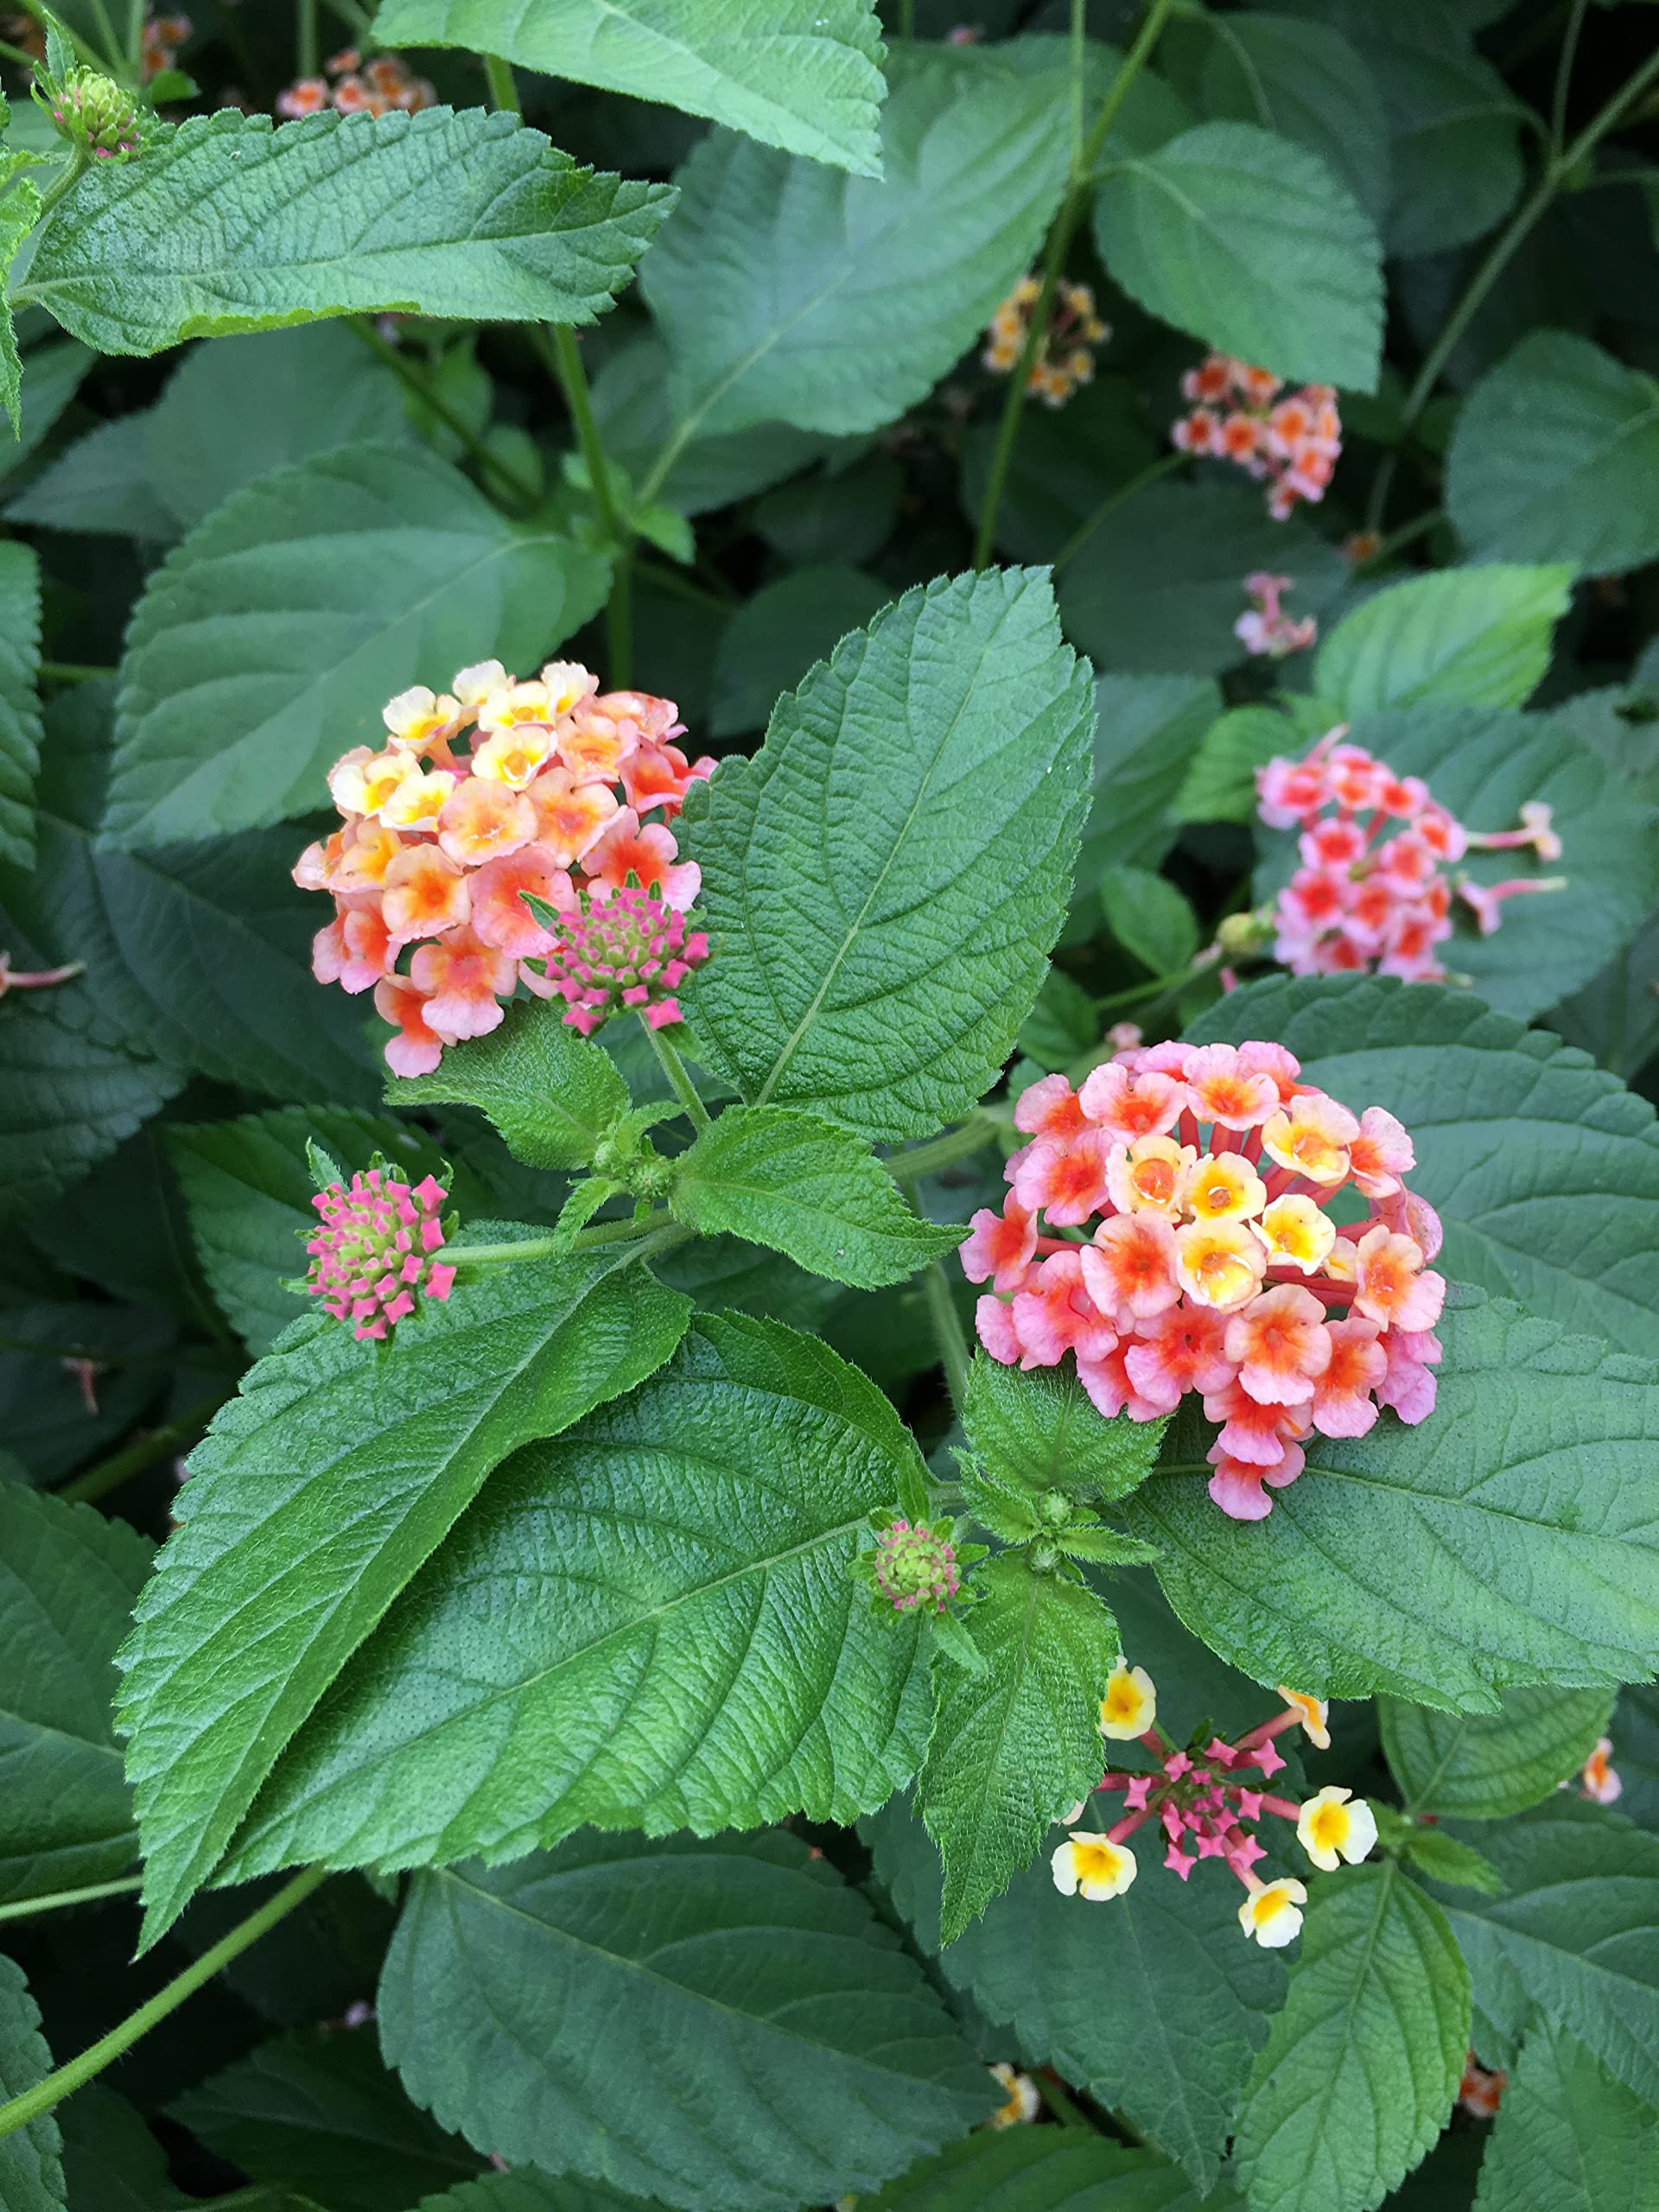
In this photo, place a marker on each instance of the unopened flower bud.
(93, 112)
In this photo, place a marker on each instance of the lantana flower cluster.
(352, 87)
(442, 844)
(373, 1256)
(1372, 892)
(163, 36)
(1289, 441)
(1264, 628)
(1066, 358)
(1210, 1797)
(1191, 1184)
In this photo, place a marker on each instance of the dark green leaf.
(1045, 2170)
(1220, 781)
(1478, 637)
(1481, 1766)
(111, 2163)
(1146, 731)
(553, 1095)
(773, 639)
(31, 2170)
(1569, 2136)
(20, 706)
(1040, 1431)
(1149, 918)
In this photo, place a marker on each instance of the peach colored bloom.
(1219, 1263)
(418, 800)
(1312, 1138)
(1146, 1177)
(648, 854)
(417, 1047)
(1313, 1714)
(594, 747)
(1221, 1092)
(1598, 1781)
(1295, 1232)
(1130, 1267)
(462, 981)
(570, 817)
(365, 858)
(426, 893)
(513, 756)
(500, 917)
(1063, 1175)
(482, 820)
(1390, 1285)
(660, 775)
(515, 706)
(1280, 1346)
(1408, 1386)
(1343, 1405)
(1131, 1105)
(1258, 1433)
(1002, 1246)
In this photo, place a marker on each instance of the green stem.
(357, 19)
(66, 2079)
(25, 1907)
(307, 49)
(906, 18)
(136, 11)
(675, 1069)
(947, 1328)
(973, 1136)
(66, 179)
(117, 63)
(1086, 530)
(1397, 540)
(543, 1247)
(662, 578)
(517, 487)
(503, 93)
(1564, 76)
(1064, 2107)
(10, 53)
(563, 356)
(1158, 986)
(618, 623)
(1059, 241)
(121, 1466)
(74, 671)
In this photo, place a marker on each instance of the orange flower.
(594, 747)
(417, 1047)
(1391, 1285)
(569, 817)
(426, 893)
(1219, 1263)
(482, 820)
(500, 917)
(1280, 1346)
(366, 857)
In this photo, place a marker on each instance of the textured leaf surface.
(773, 639)
(31, 2167)
(1480, 637)
(68, 1577)
(1042, 1430)
(883, 880)
(756, 2038)
(1481, 1766)
(232, 225)
(1362, 2066)
(801, 75)
(1513, 1537)
(270, 639)
(1017, 1743)
(1305, 81)
(20, 706)
(529, 2191)
(1569, 2136)
(100, 482)
(19, 212)
(1545, 1170)
(1045, 2170)
(1147, 729)
(791, 293)
(318, 1493)
(1253, 244)
(802, 1185)
(552, 1095)
(648, 1621)
(111, 2163)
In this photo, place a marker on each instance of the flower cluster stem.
(678, 1075)
(468, 1256)
(517, 488)
(132, 1460)
(26, 1908)
(308, 45)
(948, 1330)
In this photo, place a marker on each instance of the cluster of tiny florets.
(630, 954)
(93, 111)
(915, 1567)
(1264, 628)
(352, 87)
(1214, 1266)
(372, 1257)
(1065, 359)
(1289, 441)
(442, 844)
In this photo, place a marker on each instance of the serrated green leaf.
(1447, 1858)
(717, 1668)
(553, 1095)
(756, 2038)
(317, 1495)
(883, 880)
(1455, 125)
(1041, 1431)
(1013, 1747)
(1448, 1561)
(100, 482)
(1220, 781)
(1482, 1766)
(1063, 1025)
(529, 2191)
(111, 2163)
(1362, 2066)
(31, 2167)
(53, 372)
(776, 273)
(230, 225)
(773, 639)
(67, 1581)
(1149, 918)
(1045, 2170)
(20, 210)
(1251, 244)
(1556, 457)
(1544, 1169)
(267, 643)
(775, 1176)
(20, 705)
(1569, 2136)
(1479, 637)
(806, 76)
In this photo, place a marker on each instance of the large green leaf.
(20, 706)
(1545, 1170)
(526, 2190)
(688, 1647)
(1362, 2066)
(270, 639)
(232, 225)
(31, 2167)
(753, 2038)
(19, 208)
(1041, 1431)
(1455, 126)
(552, 1095)
(1478, 636)
(1512, 1537)
(1018, 1742)
(111, 2163)
(67, 1581)
(1570, 2137)
(790, 293)
(883, 880)
(317, 1495)
(1045, 2170)
(804, 76)
(1481, 1766)
(1253, 244)
(1556, 457)
(1147, 730)
(773, 639)
(100, 482)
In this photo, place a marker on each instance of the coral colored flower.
(1223, 1188)
(1313, 1714)
(629, 952)
(513, 756)
(1240, 1489)
(1380, 1154)
(1264, 629)
(1129, 1268)
(426, 894)
(355, 951)
(463, 980)
(1049, 1108)
(1002, 1246)
(1336, 1826)
(1279, 1345)
(1258, 1432)
(482, 820)
(1342, 1403)
(1289, 441)
(1054, 1313)
(418, 719)
(499, 916)
(1066, 1176)
(372, 1260)
(1065, 357)
(1295, 1233)
(1129, 1104)
(1219, 1263)
(360, 782)
(594, 747)
(1312, 1138)
(366, 857)
(1271, 1915)
(1130, 1705)
(994, 1323)
(1598, 1781)
(1024, 2102)
(570, 817)
(1146, 1177)
(625, 849)
(418, 1047)
(1180, 1350)
(1390, 1284)
(660, 776)
(1091, 1867)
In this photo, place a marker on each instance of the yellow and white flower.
(474, 685)
(567, 683)
(361, 782)
(1336, 1825)
(1272, 1916)
(1293, 1230)
(418, 717)
(1090, 1867)
(1130, 1705)
(1024, 2103)
(1314, 1714)
(514, 756)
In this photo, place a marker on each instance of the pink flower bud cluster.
(632, 952)
(1370, 892)
(915, 1567)
(1191, 1183)
(356, 88)
(1065, 359)
(1289, 443)
(1265, 628)
(493, 790)
(372, 1258)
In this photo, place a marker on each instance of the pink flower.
(1391, 1285)
(1408, 1385)
(1380, 1154)
(1001, 1246)
(461, 980)
(1130, 1267)
(647, 855)
(1049, 1108)
(1054, 1314)
(1129, 1105)
(372, 1257)
(1179, 1349)
(1221, 1092)
(1357, 1365)
(418, 1047)
(1065, 1176)
(499, 915)
(1279, 1345)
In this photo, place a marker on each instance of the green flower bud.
(94, 112)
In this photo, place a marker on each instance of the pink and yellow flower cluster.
(1213, 1264)
(440, 843)
(1289, 441)
(1066, 358)
(1264, 629)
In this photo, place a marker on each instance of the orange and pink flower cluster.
(352, 87)
(1371, 891)
(1289, 441)
(1212, 1264)
(442, 844)
(1066, 358)
(163, 36)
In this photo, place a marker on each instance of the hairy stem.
(66, 180)
(121, 1466)
(659, 1226)
(25, 1908)
(947, 1328)
(678, 1076)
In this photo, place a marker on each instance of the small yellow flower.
(474, 685)
(361, 782)
(567, 683)
(1130, 1705)
(1224, 1188)
(1090, 1866)
(1312, 1138)
(418, 801)
(517, 707)
(1336, 1825)
(513, 756)
(1294, 1229)
(1024, 2104)
(1272, 1916)
(1314, 1714)
(417, 718)
(1219, 1263)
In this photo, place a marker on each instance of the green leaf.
(1016, 1744)
(53, 371)
(67, 1581)
(317, 1494)
(1456, 131)
(111, 2163)
(1448, 1561)
(806, 76)
(1149, 918)
(755, 2038)
(1569, 2136)
(713, 1667)
(20, 705)
(267, 643)
(529, 2191)
(802, 1185)
(230, 225)
(1480, 637)
(43, 1416)
(1544, 1169)
(100, 482)
(1556, 457)
(31, 2168)
(883, 880)
(776, 274)
(319, 2113)
(1481, 1766)
(773, 639)
(1573, 1935)
(1041, 1431)
(1253, 244)
(20, 210)
(553, 1095)
(1363, 2064)
(1220, 781)
(1147, 729)
(1044, 2170)
(1447, 1858)
(1063, 1025)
